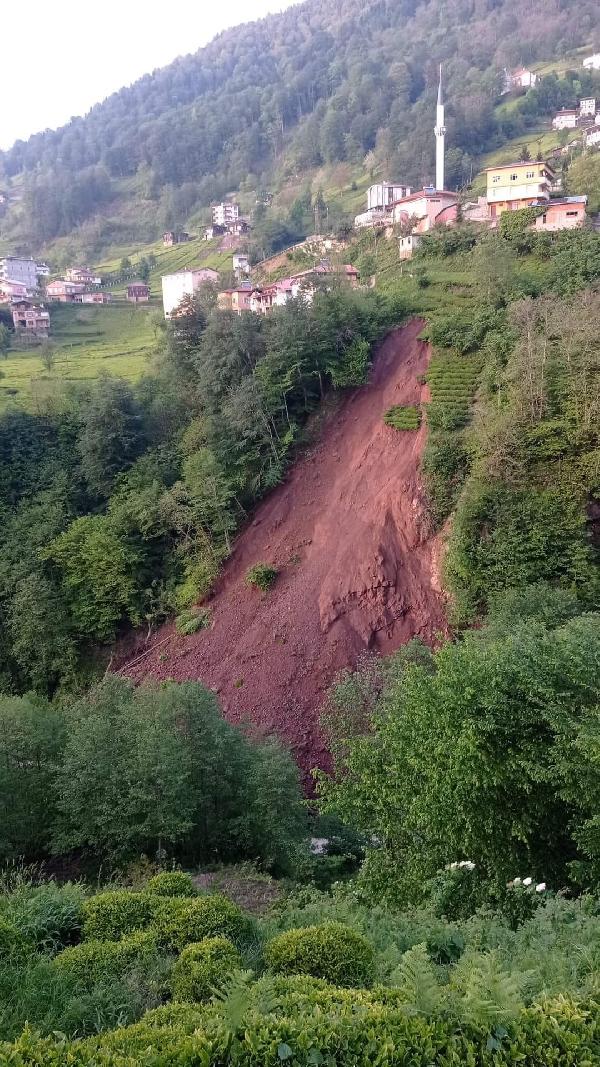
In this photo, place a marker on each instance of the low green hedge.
(109, 916)
(179, 922)
(172, 884)
(93, 961)
(358, 1030)
(203, 966)
(332, 951)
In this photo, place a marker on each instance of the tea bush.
(179, 922)
(109, 916)
(172, 884)
(331, 951)
(93, 961)
(261, 575)
(403, 418)
(201, 967)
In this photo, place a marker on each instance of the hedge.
(332, 951)
(93, 961)
(172, 884)
(109, 916)
(357, 1031)
(179, 922)
(203, 966)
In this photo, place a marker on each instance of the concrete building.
(42, 270)
(381, 196)
(175, 237)
(138, 293)
(592, 137)
(30, 320)
(96, 298)
(12, 291)
(568, 213)
(175, 287)
(511, 186)
(83, 275)
(409, 244)
(226, 213)
(587, 106)
(65, 292)
(241, 264)
(237, 300)
(565, 119)
(16, 269)
(523, 78)
(213, 231)
(428, 208)
(592, 62)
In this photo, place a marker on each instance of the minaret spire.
(440, 133)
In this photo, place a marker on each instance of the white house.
(15, 269)
(241, 263)
(409, 244)
(523, 78)
(592, 62)
(592, 137)
(184, 283)
(587, 106)
(565, 119)
(42, 270)
(380, 198)
(428, 208)
(226, 213)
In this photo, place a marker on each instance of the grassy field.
(114, 339)
(196, 253)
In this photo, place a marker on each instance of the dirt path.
(356, 569)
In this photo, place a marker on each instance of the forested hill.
(327, 80)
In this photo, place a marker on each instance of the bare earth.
(357, 569)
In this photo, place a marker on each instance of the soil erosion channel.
(357, 570)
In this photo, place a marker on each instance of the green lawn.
(115, 339)
(196, 253)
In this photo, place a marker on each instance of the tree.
(5, 339)
(32, 736)
(466, 759)
(210, 494)
(524, 154)
(112, 434)
(48, 356)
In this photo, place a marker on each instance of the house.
(565, 119)
(213, 231)
(238, 227)
(511, 186)
(30, 320)
(175, 287)
(225, 213)
(42, 270)
(19, 270)
(175, 237)
(592, 62)
(241, 264)
(380, 198)
(83, 275)
(592, 137)
(587, 106)
(65, 292)
(138, 293)
(10, 290)
(523, 78)
(409, 244)
(475, 210)
(237, 300)
(566, 213)
(428, 208)
(96, 298)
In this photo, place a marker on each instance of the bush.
(192, 620)
(94, 961)
(109, 916)
(331, 951)
(172, 884)
(203, 966)
(180, 922)
(403, 418)
(48, 915)
(262, 576)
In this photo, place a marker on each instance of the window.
(570, 214)
(495, 179)
(530, 174)
(514, 177)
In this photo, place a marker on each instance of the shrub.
(172, 884)
(202, 966)
(403, 418)
(192, 620)
(109, 916)
(94, 961)
(180, 922)
(49, 915)
(261, 575)
(331, 951)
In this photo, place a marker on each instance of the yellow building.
(511, 186)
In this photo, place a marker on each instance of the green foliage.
(12, 942)
(192, 620)
(403, 418)
(180, 922)
(476, 758)
(93, 961)
(114, 914)
(47, 914)
(262, 575)
(331, 951)
(171, 884)
(202, 967)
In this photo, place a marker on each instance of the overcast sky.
(58, 58)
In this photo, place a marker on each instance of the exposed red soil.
(357, 569)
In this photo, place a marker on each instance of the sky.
(60, 58)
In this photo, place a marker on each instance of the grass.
(115, 339)
(403, 418)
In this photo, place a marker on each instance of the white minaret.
(440, 133)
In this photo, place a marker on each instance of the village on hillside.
(28, 287)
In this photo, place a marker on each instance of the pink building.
(65, 292)
(427, 209)
(237, 300)
(565, 214)
(30, 320)
(96, 298)
(10, 290)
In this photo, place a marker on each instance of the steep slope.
(357, 570)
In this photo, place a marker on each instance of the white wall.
(19, 270)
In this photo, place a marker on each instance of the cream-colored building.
(511, 186)
(175, 287)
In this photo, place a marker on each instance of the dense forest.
(320, 83)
